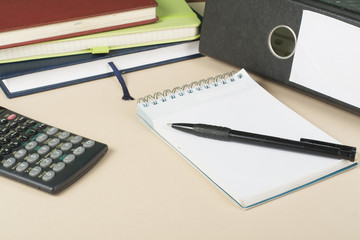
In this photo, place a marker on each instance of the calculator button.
(66, 146)
(51, 131)
(22, 129)
(46, 162)
(21, 119)
(11, 117)
(54, 142)
(4, 130)
(42, 137)
(22, 167)
(14, 134)
(43, 150)
(31, 132)
(9, 162)
(56, 154)
(3, 121)
(31, 145)
(33, 158)
(6, 151)
(64, 135)
(35, 171)
(15, 144)
(13, 125)
(76, 139)
(23, 138)
(89, 144)
(6, 140)
(48, 176)
(69, 158)
(31, 123)
(59, 167)
(20, 154)
(42, 126)
(78, 151)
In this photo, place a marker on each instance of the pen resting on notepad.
(304, 145)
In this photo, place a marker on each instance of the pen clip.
(347, 152)
(330, 145)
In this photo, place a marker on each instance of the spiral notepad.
(249, 174)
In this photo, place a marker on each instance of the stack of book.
(73, 43)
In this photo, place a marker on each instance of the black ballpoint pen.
(304, 145)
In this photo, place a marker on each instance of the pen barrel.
(309, 146)
(304, 145)
(264, 140)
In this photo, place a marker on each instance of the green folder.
(177, 22)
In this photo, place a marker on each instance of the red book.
(31, 21)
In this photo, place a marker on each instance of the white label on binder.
(327, 57)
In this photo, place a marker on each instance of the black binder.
(237, 32)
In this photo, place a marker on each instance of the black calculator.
(43, 156)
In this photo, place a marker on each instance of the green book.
(177, 22)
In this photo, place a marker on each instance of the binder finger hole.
(282, 42)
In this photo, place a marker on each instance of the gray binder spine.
(238, 32)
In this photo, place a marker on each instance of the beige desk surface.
(142, 189)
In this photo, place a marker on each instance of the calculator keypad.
(41, 155)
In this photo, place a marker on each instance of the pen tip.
(169, 124)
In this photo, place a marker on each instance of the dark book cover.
(18, 15)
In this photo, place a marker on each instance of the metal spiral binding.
(186, 89)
